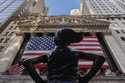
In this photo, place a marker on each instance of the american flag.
(42, 45)
(89, 44)
(15, 69)
(37, 46)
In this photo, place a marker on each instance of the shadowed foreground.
(27, 79)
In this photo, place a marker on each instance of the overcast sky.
(61, 7)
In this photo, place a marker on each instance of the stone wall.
(27, 79)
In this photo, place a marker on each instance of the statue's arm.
(97, 63)
(28, 64)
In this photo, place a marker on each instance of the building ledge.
(27, 79)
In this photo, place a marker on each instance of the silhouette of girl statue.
(63, 61)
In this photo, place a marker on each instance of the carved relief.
(38, 23)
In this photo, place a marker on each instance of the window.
(122, 31)
(117, 31)
(1, 40)
(1, 48)
(122, 38)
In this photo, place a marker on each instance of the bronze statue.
(63, 61)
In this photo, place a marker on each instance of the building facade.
(12, 44)
(114, 12)
(10, 10)
(37, 7)
(102, 7)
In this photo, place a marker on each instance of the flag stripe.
(89, 40)
(90, 49)
(89, 37)
(85, 44)
(89, 63)
(95, 52)
(86, 47)
(38, 51)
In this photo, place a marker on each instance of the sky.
(61, 7)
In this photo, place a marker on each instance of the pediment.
(37, 23)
